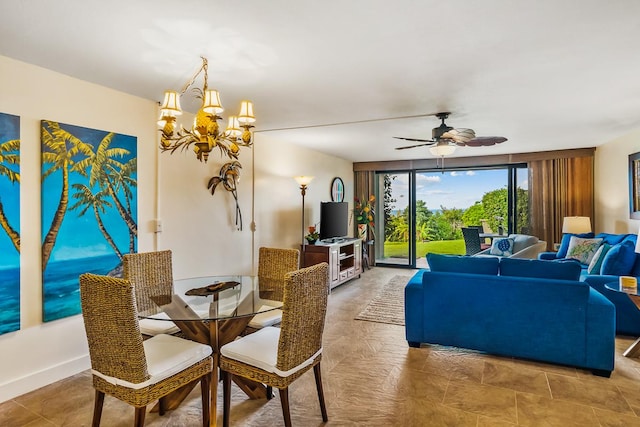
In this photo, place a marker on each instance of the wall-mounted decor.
(9, 223)
(89, 209)
(634, 186)
(337, 190)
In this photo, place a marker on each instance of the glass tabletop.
(210, 298)
(616, 286)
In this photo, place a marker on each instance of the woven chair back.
(303, 315)
(471, 237)
(273, 264)
(151, 274)
(111, 324)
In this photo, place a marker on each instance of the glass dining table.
(212, 310)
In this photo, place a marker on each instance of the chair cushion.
(260, 349)
(582, 249)
(463, 264)
(266, 317)
(502, 247)
(166, 355)
(619, 260)
(596, 262)
(154, 327)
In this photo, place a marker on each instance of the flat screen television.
(334, 221)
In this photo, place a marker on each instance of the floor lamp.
(303, 181)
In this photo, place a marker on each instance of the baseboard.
(36, 380)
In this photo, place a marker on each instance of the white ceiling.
(546, 74)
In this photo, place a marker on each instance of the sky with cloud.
(452, 189)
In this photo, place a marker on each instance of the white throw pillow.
(582, 249)
(502, 247)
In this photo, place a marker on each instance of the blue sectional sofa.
(529, 309)
(626, 263)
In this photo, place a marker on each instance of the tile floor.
(372, 378)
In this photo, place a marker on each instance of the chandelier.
(204, 135)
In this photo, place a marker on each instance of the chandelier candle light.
(205, 133)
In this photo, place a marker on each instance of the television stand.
(344, 258)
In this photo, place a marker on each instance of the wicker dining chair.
(472, 242)
(151, 274)
(278, 356)
(273, 264)
(126, 367)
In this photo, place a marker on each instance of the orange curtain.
(558, 188)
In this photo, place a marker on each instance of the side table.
(634, 349)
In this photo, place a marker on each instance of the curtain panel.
(363, 187)
(559, 188)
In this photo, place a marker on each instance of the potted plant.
(313, 235)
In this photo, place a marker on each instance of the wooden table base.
(216, 334)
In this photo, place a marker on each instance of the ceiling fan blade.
(415, 139)
(414, 146)
(483, 141)
(459, 135)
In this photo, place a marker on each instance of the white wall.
(612, 185)
(199, 228)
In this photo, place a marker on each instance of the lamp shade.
(576, 224)
(246, 113)
(211, 103)
(303, 181)
(171, 104)
(233, 127)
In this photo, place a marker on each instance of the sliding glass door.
(424, 211)
(393, 245)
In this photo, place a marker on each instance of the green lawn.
(399, 249)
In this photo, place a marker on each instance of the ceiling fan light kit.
(445, 139)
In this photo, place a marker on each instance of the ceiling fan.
(445, 138)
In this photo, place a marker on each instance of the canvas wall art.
(10, 223)
(89, 209)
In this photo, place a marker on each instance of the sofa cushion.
(614, 239)
(522, 241)
(582, 249)
(463, 264)
(516, 267)
(619, 260)
(564, 243)
(502, 247)
(596, 262)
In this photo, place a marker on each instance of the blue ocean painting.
(10, 219)
(89, 209)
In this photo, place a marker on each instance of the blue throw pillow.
(564, 243)
(619, 260)
(463, 264)
(540, 269)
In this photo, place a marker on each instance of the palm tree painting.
(89, 209)
(10, 223)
